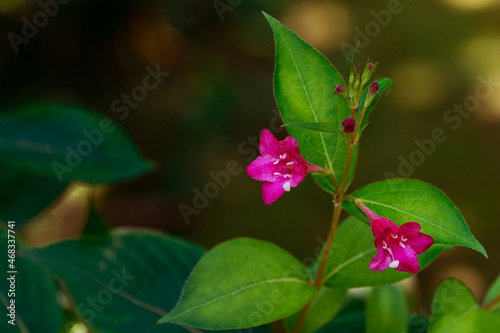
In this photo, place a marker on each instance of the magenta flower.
(397, 247)
(280, 167)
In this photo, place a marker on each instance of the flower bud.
(349, 125)
(339, 90)
(374, 88)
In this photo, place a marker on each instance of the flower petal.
(409, 230)
(272, 191)
(381, 261)
(382, 226)
(263, 169)
(408, 261)
(290, 146)
(269, 144)
(421, 243)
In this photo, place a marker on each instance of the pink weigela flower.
(280, 167)
(397, 247)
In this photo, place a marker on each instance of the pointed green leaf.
(325, 306)
(130, 271)
(403, 200)
(386, 85)
(303, 81)
(348, 264)
(34, 293)
(242, 283)
(68, 143)
(387, 310)
(455, 310)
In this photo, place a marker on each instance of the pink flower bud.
(339, 90)
(370, 66)
(374, 88)
(349, 125)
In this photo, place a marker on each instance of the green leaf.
(325, 306)
(123, 281)
(36, 306)
(242, 283)
(493, 293)
(303, 81)
(348, 264)
(351, 319)
(319, 127)
(68, 143)
(455, 310)
(403, 200)
(386, 85)
(24, 195)
(387, 310)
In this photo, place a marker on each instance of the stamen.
(402, 245)
(276, 162)
(403, 238)
(283, 156)
(394, 264)
(384, 245)
(286, 186)
(287, 176)
(290, 163)
(394, 236)
(277, 174)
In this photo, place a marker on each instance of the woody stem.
(338, 200)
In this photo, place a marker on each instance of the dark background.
(219, 96)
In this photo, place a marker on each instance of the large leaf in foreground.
(130, 271)
(352, 251)
(455, 310)
(303, 82)
(35, 304)
(242, 283)
(403, 200)
(25, 195)
(66, 142)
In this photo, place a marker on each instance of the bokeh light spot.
(322, 24)
(472, 4)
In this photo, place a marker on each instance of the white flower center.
(394, 264)
(286, 186)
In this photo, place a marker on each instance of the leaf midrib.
(421, 218)
(329, 162)
(235, 292)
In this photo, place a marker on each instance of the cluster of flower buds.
(353, 93)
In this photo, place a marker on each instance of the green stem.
(339, 199)
(492, 303)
